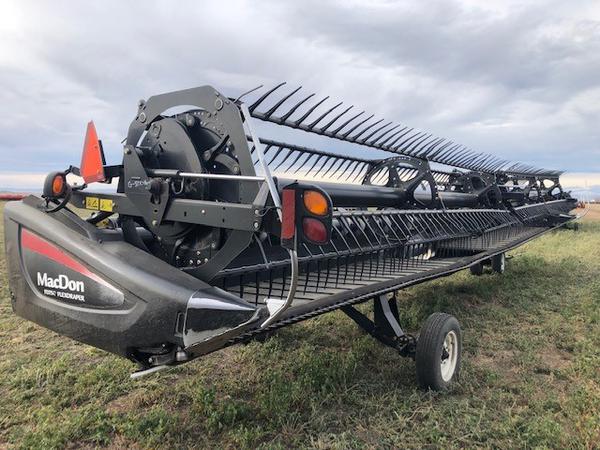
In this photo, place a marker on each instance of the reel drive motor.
(216, 235)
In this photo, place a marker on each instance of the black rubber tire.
(477, 269)
(499, 263)
(429, 351)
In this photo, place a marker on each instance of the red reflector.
(92, 161)
(288, 213)
(314, 230)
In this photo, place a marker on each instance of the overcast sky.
(518, 79)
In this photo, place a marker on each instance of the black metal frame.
(385, 327)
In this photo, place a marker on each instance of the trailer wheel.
(438, 352)
(499, 263)
(476, 269)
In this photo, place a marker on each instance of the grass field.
(530, 379)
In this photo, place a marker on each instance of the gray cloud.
(517, 81)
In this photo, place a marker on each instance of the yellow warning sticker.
(91, 203)
(106, 204)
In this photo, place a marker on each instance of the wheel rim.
(449, 356)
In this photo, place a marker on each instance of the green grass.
(530, 379)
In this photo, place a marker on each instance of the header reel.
(202, 155)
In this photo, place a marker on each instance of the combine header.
(216, 235)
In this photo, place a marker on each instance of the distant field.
(531, 373)
(592, 213)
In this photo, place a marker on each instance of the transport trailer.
(216, 236)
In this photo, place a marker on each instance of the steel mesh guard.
(368, 247)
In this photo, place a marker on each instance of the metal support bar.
(386, 320)
(385, 328)
(234, 216)
(368, 325)
(261, 158)
(208, 176)
(277, 202)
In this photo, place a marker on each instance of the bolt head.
(142, 117)
(155, 130)
(190, 120)
(154, 223)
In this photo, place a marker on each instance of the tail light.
(316, 203)
(55, 185)
(306, 215)
(314, 230)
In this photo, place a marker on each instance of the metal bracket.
(385, 328)
(277, 202)
(386, 320)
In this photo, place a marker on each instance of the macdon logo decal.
(63, 283)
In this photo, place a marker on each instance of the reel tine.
(410, 136)
(356, 136)
(441, 150)
(297, 123)
(413, 149)
(376, 141)
(324, 165)
(466, 155)
(354, 127)
(409, 142)
(389, 138)
(326, 127)
(454, 153)
(279, 150)
(257, 103)
(293, 109)
(340, 160)
(354, 167)
(366, 139)
(322, 116)
(315, 163)
(242, 95)
(391, 147)
(336, 131)
(445, 155)
(424, 145)
(432, 147)
(289, 154)
(305, 162)
(270, 112)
